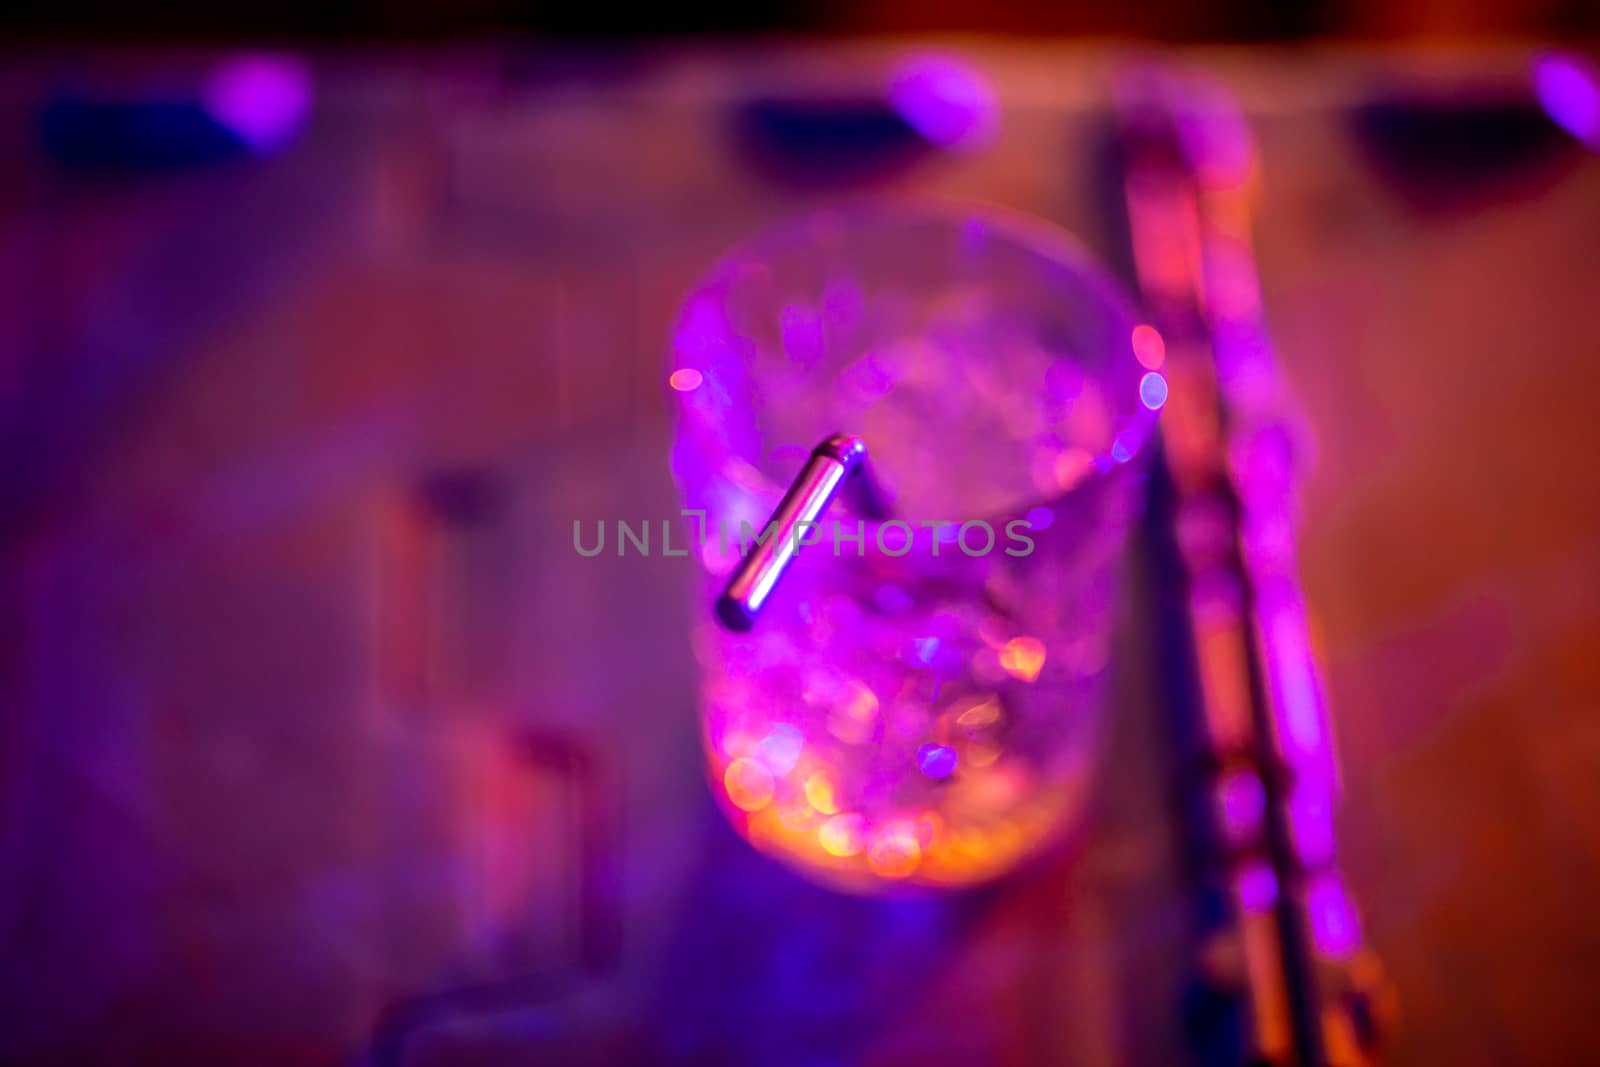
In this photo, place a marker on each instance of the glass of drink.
(918, 701)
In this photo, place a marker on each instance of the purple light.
(701, 328)
(1335, 928)
(842, 304)
(1040, 518)
(1257, 886)
(1153, 391)
(780, 749)
(1244, 803)
(974, 235)
(263, 98)
(1569, 91)
(1311, 823)
(801, 328)
(1295, 682)
(1064, 379)
(936, 761)
(893, 599)
(949, 102)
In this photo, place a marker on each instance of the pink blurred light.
(1149, 347)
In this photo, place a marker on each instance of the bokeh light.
(1149, 348)
(820, 795)
(936, 761)
(894, 851)
(1023, 657)
(1568, 89)
(947, 100)
(749, 784)
(843, 835)
(685, 379)
(262, 97)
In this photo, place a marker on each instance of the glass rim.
(722, 460)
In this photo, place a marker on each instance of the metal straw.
(836, 462)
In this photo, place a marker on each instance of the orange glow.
(989, 795)
(1005, 839)
(819, 793)
(1072, 467)
(685, 380)
(859, 702)
(1148, 347)
(978, 755)
(964, 847)
(894, 852)
(843, 835)
(854, 714)
(1023, 657)
(980, 715)
(749, 784)
(797, 818)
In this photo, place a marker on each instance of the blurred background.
(318, 328)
